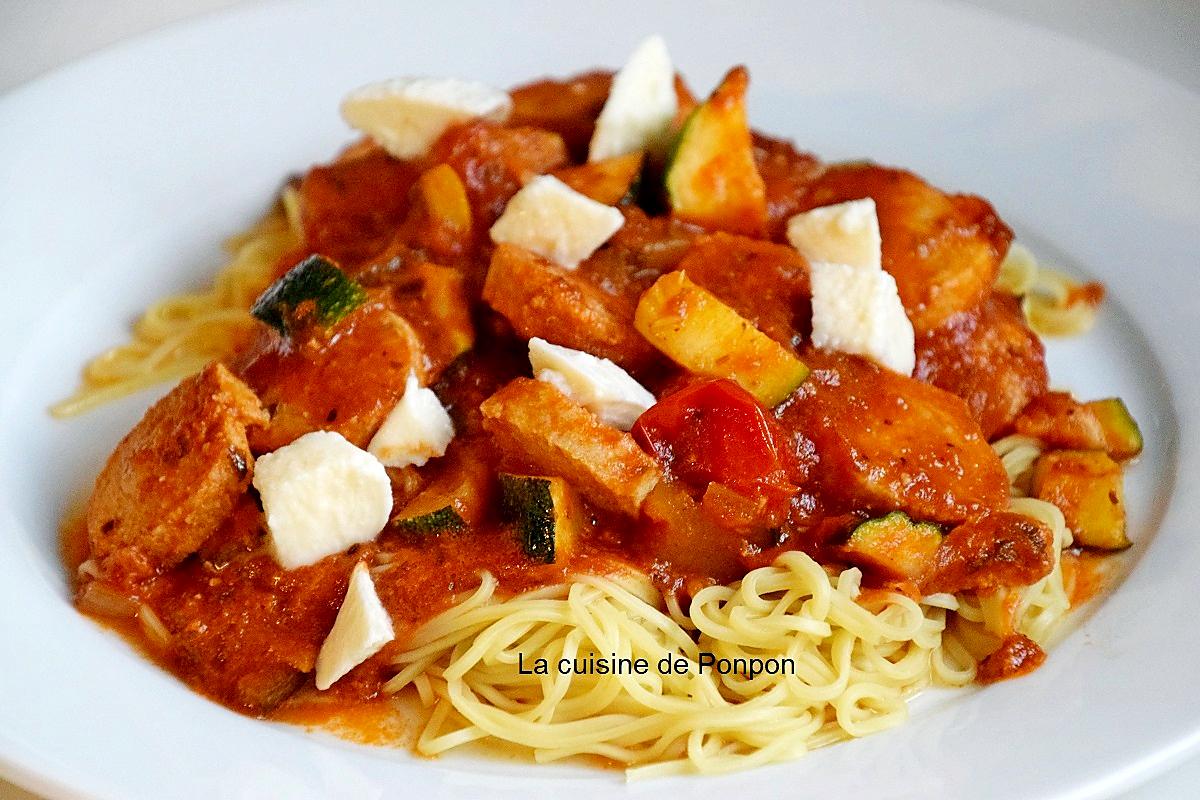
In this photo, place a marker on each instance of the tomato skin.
(715, 431)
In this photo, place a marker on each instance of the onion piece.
(152, 627)
(103, 600)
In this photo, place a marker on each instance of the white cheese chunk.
(597, 384)
(846, 233)
(407, 115)
(416, 430)
(857, 310)
(556, 222)
(361, 629)
(321, 494)
(641, 105)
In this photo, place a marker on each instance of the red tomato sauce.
(738, 482)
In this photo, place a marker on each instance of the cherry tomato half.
(715, 431)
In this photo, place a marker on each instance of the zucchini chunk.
(611, 181)
(1088, 487)
(1122, 436)
(541, 299)
(441, 519)
(452, 503)
(1064, 423)
(545, 514)
(316, 279)
(894, 545)
(711, 178)
(698, 331)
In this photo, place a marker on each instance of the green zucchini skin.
(673, 148)
(526, 503)
(895, 545)
(317, 279)
(543, 513)
(442, 520)
(871, 529)
(710, 177)
(452, 503)
(1123, 437)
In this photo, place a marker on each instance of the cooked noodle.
(1018, 454)
(853, 670)
(855, 665)
(1051, 300)
(1033, 610)
(180, 334)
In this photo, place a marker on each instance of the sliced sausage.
(176, 476)
(943, 250)
(997, 551)
(885, 442)
(990, 358)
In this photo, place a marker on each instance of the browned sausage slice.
(997, 551)
(943, 250)
(990, 358)
(175, 477)
(885, 442)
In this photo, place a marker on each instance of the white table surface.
(1163, 35)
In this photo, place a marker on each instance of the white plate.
(120, 175)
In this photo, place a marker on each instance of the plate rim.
(1132, 773)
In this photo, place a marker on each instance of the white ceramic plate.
(120, 175)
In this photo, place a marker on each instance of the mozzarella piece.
(846, 233)
(641, 105)
(407, 115)
(857, 310)
(417, 429)
(556, 222)
(597, 384)
(361, 629)
(321, 494)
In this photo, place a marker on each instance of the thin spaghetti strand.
(852, 668)
(180, 334)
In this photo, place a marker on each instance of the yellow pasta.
(853, 671)
(852, 668)
(179, 334)
(1047, 295)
